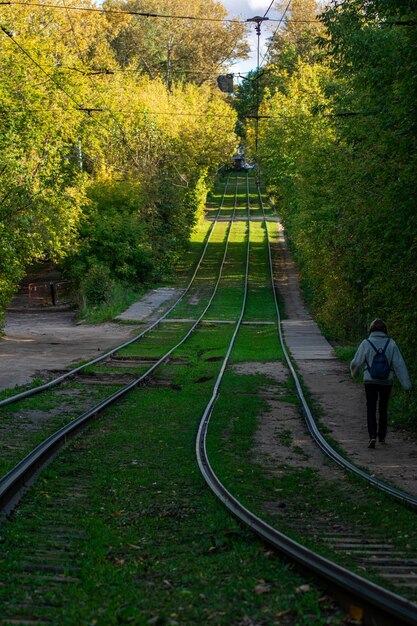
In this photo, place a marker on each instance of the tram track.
(56, 569)
(387, 603)
(73, 372)
(378, 605)
(12, 483)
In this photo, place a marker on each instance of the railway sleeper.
(388, 562)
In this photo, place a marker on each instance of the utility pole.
(257, 20)
(169, 64)
(79, 153)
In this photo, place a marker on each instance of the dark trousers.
(375, 393)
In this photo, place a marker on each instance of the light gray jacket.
(366, 353)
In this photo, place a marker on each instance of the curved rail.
(310, 421)
(73, 372)
(376, 599)
(12, 483)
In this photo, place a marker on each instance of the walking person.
(381, 359)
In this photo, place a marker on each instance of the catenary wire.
(113, 117)
(51, 78)
(139, 13)
(96, 110)
(275, 31)
(90, 110)
(55, 82)
(268, 9)
(105, 71)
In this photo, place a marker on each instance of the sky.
(245, 9)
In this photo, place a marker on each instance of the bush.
(96, 287)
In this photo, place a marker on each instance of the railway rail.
(73, 372)
(23, 472)
(379, 603)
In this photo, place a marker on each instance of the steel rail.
(374, 598)
(12, 483)
(73, 372)
(202, 429)
(405, 497)
(215, 394)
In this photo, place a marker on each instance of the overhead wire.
(34, 61)
(275, 31)
(136, 13)
(79, 106)
(113, 117)
(106, 71)
(144, 113)
(124, 12)
(258, 21)
(268, 9)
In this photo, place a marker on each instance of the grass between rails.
(195, 300)
(260, 305)
(154, 545)
(189, 260)
(228, 299)
(190, 257)
(26, 424)
(293, 498)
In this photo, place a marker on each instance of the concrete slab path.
(341, 400)
(152, 304)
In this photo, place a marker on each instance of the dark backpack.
(380, 366)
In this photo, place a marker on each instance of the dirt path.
(45, 340)
(38, 341)
(342, 402)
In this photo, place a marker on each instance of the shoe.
(372, 443)
(382, 441)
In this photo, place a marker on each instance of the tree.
(339, 153)
(178, 49)
(75, 131)
(298, 37)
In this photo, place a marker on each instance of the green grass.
(195, 300)
(30, 421)
(190, 257)
(306, 494)
(156, 342)
(153, 544)
(120, 299)
(345, 353)
(257, 343)
(7, 393)
(260, 305)
(227, 303)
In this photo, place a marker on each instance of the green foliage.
(298, 38)
(186, 50)
(113, 234)
(76, 133)
(117, 299)
(96, 286)
(339, 156)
